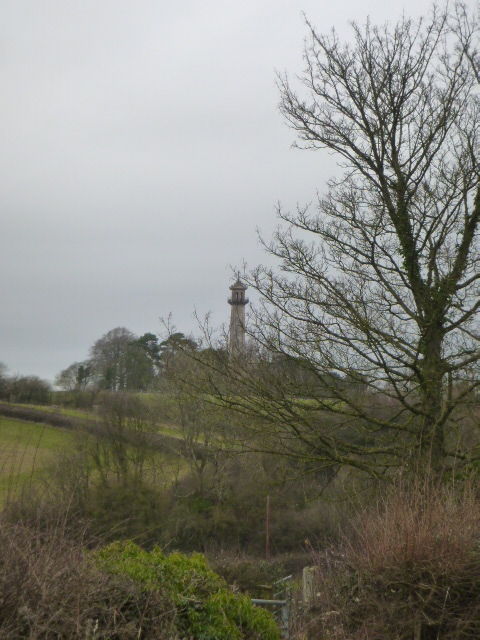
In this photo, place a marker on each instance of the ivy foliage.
(200, 603)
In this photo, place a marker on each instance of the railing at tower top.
(232, 301)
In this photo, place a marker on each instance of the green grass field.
(26, 448)
(72, 413)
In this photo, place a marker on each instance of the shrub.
(130, 509)
(29, 390)
(257, 576)
(227, 512)
(205, 608)
(52, 588)
(411, 569)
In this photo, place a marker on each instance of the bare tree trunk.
(432, 437)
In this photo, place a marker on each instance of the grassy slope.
(28, 448)
(167, 428)
(25, 449)
(72, 413)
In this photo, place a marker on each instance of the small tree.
(176, 343)
(124, 446)
(75, 377)
(150, 345)
(200, 425)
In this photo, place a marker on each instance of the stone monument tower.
(237, 301)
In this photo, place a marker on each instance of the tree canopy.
(121, 361)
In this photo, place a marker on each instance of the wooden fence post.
(309, 586)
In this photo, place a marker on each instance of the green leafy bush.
(203, 606)
(52, 587)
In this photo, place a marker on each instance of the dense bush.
(123, 487)
(52, 588)
(204, 607)
(79, 399)
(132, 509)
(227, 512)
(257, 576)
(411, 570)
(26, 389)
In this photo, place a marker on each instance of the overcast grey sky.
(140, 148)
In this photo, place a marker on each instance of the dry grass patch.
(410, 570)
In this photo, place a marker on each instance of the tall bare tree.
(379, 283)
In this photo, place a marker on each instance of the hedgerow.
(205, 608)
(51, 586)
